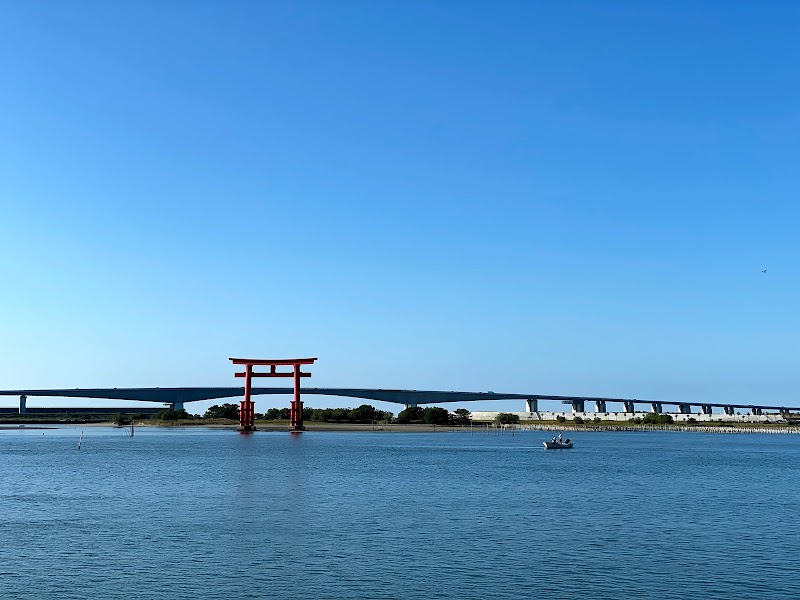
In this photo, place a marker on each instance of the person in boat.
(567, 442)
(554, 440)
(559, 438)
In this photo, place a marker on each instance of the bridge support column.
(600, 406)
(177, 405)
(407, 406)
(707, 409)
(656, 407)
(685, 409)
(532, 404)
(577, 406)
(630, 407)
(728, 410)
(22, 407)
(756, 411)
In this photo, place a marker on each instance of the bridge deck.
(81, 410)
(195, 394)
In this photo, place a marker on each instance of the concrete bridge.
(177, 397)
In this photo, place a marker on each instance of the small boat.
(557, 445)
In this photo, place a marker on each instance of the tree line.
(365, 413)
(434, 415)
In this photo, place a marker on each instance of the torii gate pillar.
(247, 406)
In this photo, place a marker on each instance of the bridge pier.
(22, 406)
(178, 405)
(756, 411)
(685, 409)
(707, 409)
(600, 406)
(728, 410)
(656, 407)
(532, 404)
(407, 406)
(578, 406)
(630, 407)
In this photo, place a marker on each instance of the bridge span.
(177, 397)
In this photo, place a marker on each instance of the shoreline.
(481, 427)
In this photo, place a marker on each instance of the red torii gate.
(246, 406)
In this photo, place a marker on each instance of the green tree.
(340, 415)
(578, 420)
(561, 418)
(322, 414)
(507, 418)
(363, 414)
(272, 414)
(461, 416)
(409, 415)
(383, 415)
(657, 419)
(435, 415)
(226, 411)
(170, 415)
(118, 419)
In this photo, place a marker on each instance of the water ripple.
(211, 514)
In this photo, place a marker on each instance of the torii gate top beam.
(270, 361)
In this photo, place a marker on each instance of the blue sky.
(545, 197)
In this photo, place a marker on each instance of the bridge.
(177, 397)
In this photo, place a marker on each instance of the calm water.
(213, 514)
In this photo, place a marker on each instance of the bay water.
(207, 513)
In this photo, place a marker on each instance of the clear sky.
(537, 197)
